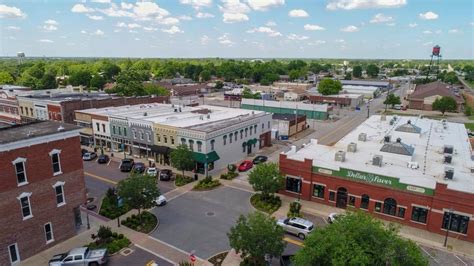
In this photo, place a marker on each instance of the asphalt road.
(137, 257)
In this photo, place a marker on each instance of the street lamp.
(450, 212)
(207, 166)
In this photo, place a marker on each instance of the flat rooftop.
(62, 97)
(413, 141)
(37, 129)
(376, 83)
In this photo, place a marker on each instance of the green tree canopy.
(48, 81)
(295, 74)
(80, 77)
(205, 75)
(372, 70)
(267, 179)
(6, 78)
(182, 158)
(130, 83)
(248, 94)
(445, 104)
(391, 99)
(357, 71)
(97, 81)
(329, 86)
(451, 78)
(358, 239)
(255, 236)
(153, 89)
(138, 191)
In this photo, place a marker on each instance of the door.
(249, 148)
(341, 198)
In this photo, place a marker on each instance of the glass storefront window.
(292, 184)
(318, 191)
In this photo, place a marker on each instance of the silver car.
(296, 226)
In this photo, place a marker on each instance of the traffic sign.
(192, 258)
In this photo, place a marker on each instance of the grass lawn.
(471, 117)
(470, 126)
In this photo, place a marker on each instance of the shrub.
(229, 175)
(182, 180)
(109, 207)
(147, 224)
(224, 176)
(207, 184)
(185, 263)
(104, 232)
(295, 208)
(120, 236)
(270, 205)
(468, 110)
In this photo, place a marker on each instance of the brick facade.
(29, 234)
(442, 200)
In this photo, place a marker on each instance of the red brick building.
(424, 95)
(420, 181)
(41, 190)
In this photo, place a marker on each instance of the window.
(390, 206)
(236, 133)
(59, 191)
(244, 145)
(103, 127)
(56, 162)
(20, 171)
(230, 137)
(364, 203)
(332, 196)
(293, 184)
(419, 214)
(246, 131)
(191, 145)
(48, 233)
(401, 212)
(224, 139)
(459, 223)
(352, 201)
(241, 134)
(183, 141)
(124, 131)
(250, 131)
(148, 137)
(318, 191)
(268, 124)
(14, 255)
(31, 111)
(141, 136)
(263, 126)
(134, 134)
(97, 126)
(158, 138)
(199, 144)
(172, 140)
(120, 131)
(21, 109)
(212, 144)
(25, 205)
(378, 206)
(165, 139)
(78, 257)
(255, 129)
(113, 129)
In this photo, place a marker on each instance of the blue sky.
(238, 28)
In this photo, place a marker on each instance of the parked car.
(80, 256)
(160, 201)
(139, 168)
(245, 165)
(404, 108)
(126, 165)
(152, 171)
(166, 175)
(297, 226)
(103, 158)
(260, 159)
(89, 156)
(83, 151)
(332, 217)
(397, 107)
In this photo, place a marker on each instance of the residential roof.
(376, 83)
(26, 131)
(436, 88)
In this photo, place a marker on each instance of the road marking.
(465, 264)
(173, 247)
(154, 253)
(431, 256)
(344, 125)
(110, 160)
(292, 241)
(101, 178)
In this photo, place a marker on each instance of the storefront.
(203, 160)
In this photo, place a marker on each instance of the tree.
(6, 78)
(97, 82)
(130, 83)
(451, 78)
(315, 67)
(138, 191)
(357, 71)
(391, 99)
(329, 86)
(219, 85)
(81, 77)
(348, 76)
(358, 239)
(295, 74)
(255, 236)
(205, 75)
(248, 94)
(372, 70)
(48, 81)
(267, 179)
(152, 89)
(445, 104)
(182, 158)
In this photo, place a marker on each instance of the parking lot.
(138, 256)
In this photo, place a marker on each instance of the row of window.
(25, 203)
(26, 111)
(142, 135)
(118, 130)
(20, 167)
(13, 248)
(165, 139)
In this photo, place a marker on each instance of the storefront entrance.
(341, 198)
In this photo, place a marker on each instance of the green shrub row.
(109, 207)
(207, 184)
(145, 222)
(182, 180)
(295, 208)
(229, 175)
(112, 241)
(269, 205)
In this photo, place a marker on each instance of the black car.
(166, 174)
(103, 159)
(126, 165)
(260, 159)
(139, 168)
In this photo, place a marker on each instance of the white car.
(152, 171)
(297, 226)
(160, 201)
(332, 217)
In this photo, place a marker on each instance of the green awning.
(252, 141)
(201, 158)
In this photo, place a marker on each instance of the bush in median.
(147, 224)
(112, 241)
(270, 205)
(109, 206)
(207, 184)
(182, 180)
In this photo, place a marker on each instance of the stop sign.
(192, 258)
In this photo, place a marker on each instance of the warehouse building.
(311, 111)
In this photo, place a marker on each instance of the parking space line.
(175, 248)
(109, 162)
(101, 178)
(431, 256)
(154, 253)
(465, 264)
(292, 241)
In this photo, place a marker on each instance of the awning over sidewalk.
(201, 158)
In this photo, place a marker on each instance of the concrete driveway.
(199, 221)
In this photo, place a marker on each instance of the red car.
(245, 165)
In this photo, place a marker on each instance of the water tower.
(20, 56)
(434, 62)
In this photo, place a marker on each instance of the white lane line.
(465, 264)
(175, 248)
(431, 256)
(110, 160)
(154, 253)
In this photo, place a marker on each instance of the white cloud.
(168, 21)
(234, 17)
(98, 33)
(438, 31)
(129, 25)
(340, 41)
(317, 42)
(83, 32)
(15, 28)
(51, 22)
(269, 31)
(391, 24)
(364, 4)
(428, 44)
(313, 27)
(185, 17)
(381, 18)
(412, 25)
(94, 17)
(126, 5)
(205, 39)
(173, 30)
(350, 28)
(45, 41)
(297, 37)
(472, 23)
(270, 23)
(11, 12)
(204, 15)
(298, 13)
(145, 10)
(80, 8)
(454, 31)
(427, 32)
(428, 15)
(225, 40)
(47, 27)
(197, 4)
(101, 1)
(234, 11)
(150, 29)
(263, 5)
(137, 39)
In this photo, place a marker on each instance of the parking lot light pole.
(450, 212)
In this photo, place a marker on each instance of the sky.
(379, 29)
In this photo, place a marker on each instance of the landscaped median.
(181, 180)
(207, 184)
(268, 205)
(112, 241)
(145, 222)
(267, 179)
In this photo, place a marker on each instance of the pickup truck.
(80, 256)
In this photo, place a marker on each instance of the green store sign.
(373, 179)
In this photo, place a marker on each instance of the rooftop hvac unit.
(448, 149)
(386, 139)
(363, 137)
(377, 160)
(448, 173)
(352, 147)
(340, 156)
(448, 158)
(413, 165)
